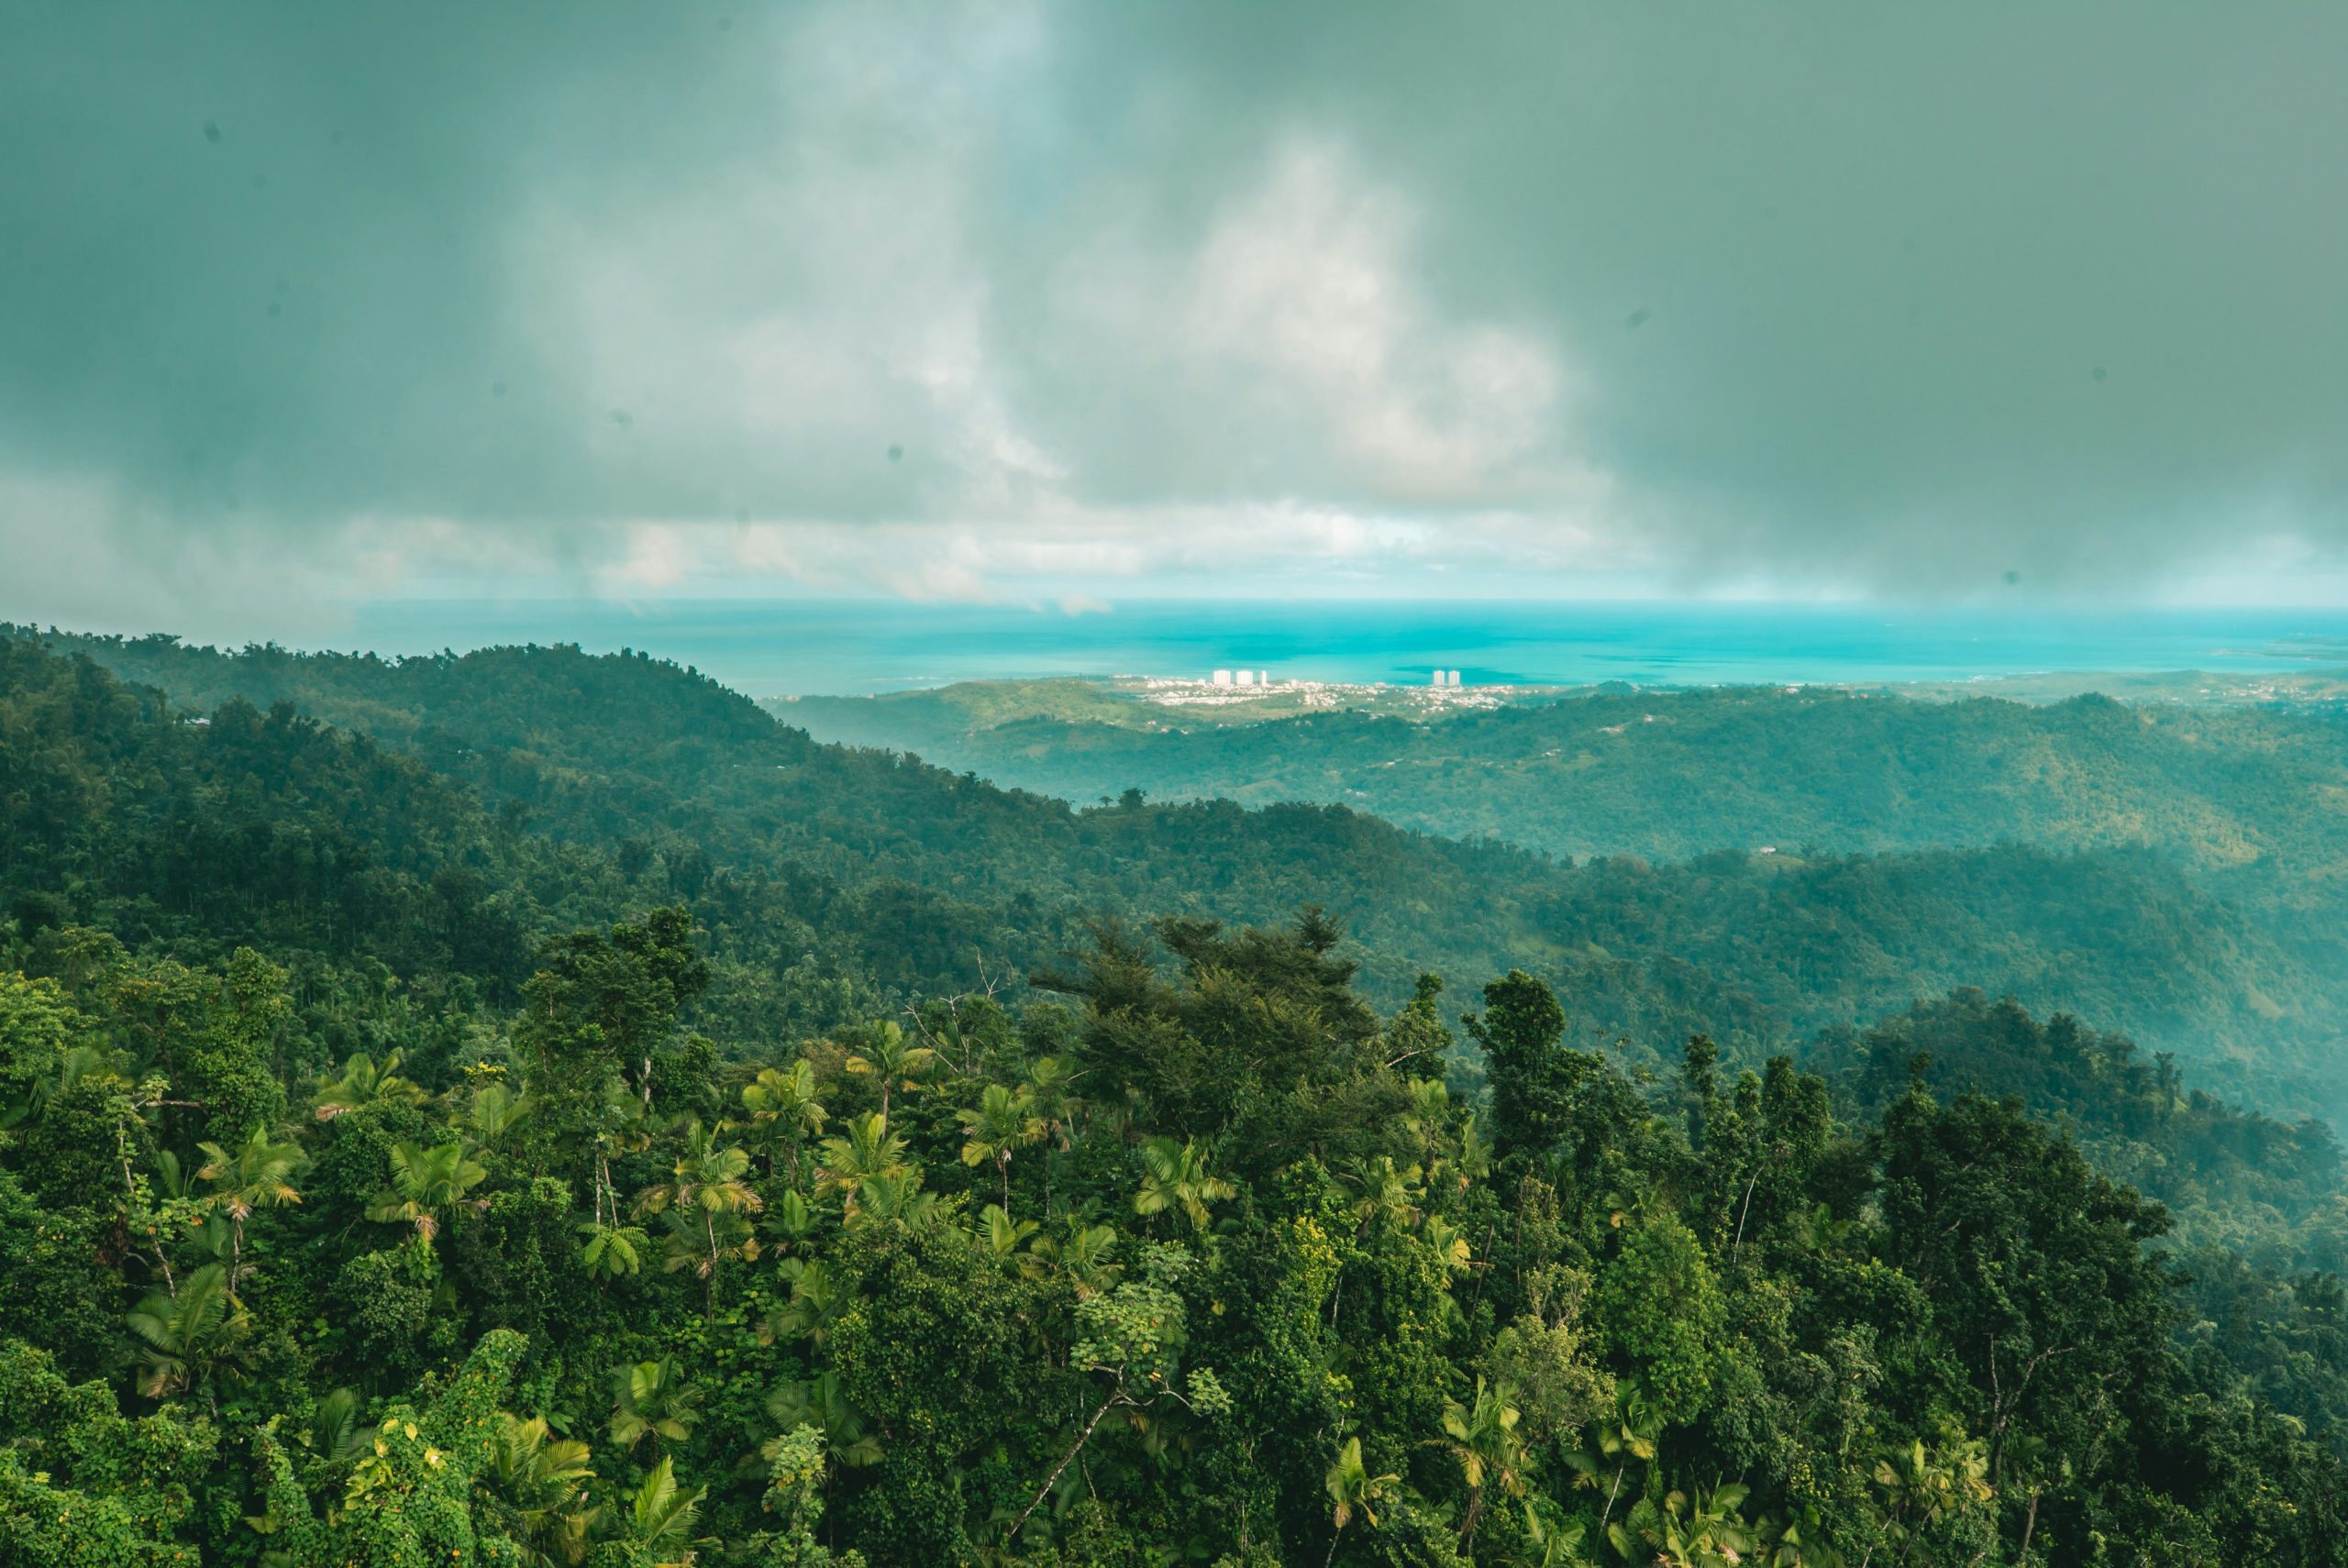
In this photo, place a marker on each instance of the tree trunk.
(709, 1228)
(1049, 1481)
(1475, 1518)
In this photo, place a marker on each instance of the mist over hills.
(828, 871)
(1668, 774)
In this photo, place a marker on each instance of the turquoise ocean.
(778, 647)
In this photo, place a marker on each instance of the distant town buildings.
(1447, 678)
(1223, 677)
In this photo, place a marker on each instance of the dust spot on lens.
(1638, 318)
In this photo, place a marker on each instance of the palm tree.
(1353, 1490)
(1483, 1438)
(659, 1524)
(708, 1183)
(427, 1185)
(1001, 1121)
(868, 1152)
(891, 1059)
(1006, 1236)
(182, 1337)
(896, 1197)
(820, 1403)
(1923, 1485)
(1681, 1531)
(335, 1435)
(496, 1111)
(1629, 1434)
(783, 1109)
(611, 1251)
(815, 1301)
(255, 1176)
(1557, 1543)
(1082, 1254)
(542, 1482)
(363, 1083)
(1052, 1094)
(1384, 1192)
(652, 1400)
(1174, 1176)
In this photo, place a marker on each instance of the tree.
(1174, 1176)
(870, 1152)
(429, 1186)
(708, 1195)
(1927, 1487)
(782, 1111)
(1521, 1030)
(892, 1058)
(82, 1485)
(657, 1531)
(496, 1111)
(1133, 1336)
(256, 1175)
(652, 1400)
(1482, 1436)
(608, 1000)
(1705, 1529)
(1662, 1310)
(410, 1499)
(363, 1083)
(539, 1484)
(1353, 1490)
(795, 1498)
(183, 1337)
(1002, 1121)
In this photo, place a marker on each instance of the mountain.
(2237, 787)
(828, 873)
(532, 1107)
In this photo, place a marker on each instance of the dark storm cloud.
(1828, 295)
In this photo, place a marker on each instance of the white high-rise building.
(1455, 678)
(1223, 677)
(1438, 677)
(1246, 678)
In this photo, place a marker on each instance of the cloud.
(1045, 299)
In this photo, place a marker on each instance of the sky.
(305, 306)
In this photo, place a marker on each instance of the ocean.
(804, 648)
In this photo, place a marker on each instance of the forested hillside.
(824, 873)
(565, 1118)
(1671, 773)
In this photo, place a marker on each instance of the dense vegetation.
(828, 877)
(551, 1114)
(1671, 774)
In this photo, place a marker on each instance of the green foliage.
(327, 1213)
(1663, 1314)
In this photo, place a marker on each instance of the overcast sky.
(303, 304)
